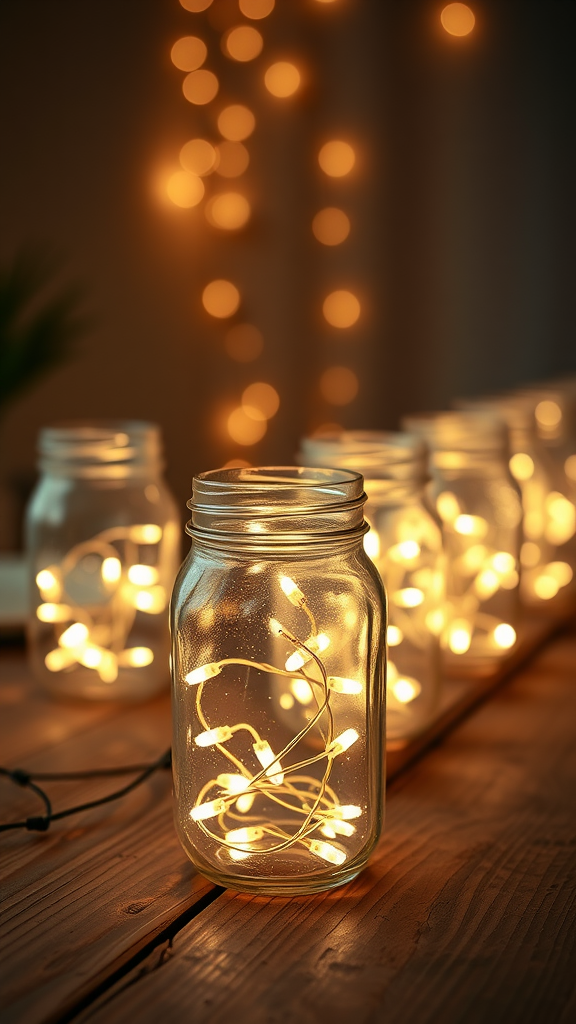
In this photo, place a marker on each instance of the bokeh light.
(244, 429)
(570, 467)
(256, 9)
(233, 159)
(189, 53)
(236, 464)
(228, 210)
(200, 87)
(198, 156)
(236, 122)
(244, 343)
(341, 308)
(221, 298)
(336, 158)
(457, 19)
(185, 189)
(548, 414)
(282, 79)
(195, 6)
(243, 43)
(260, 401)
(339, 385)
(331, 226)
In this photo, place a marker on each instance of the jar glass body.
(480, 509)
(405, 544)
(548, 554)
(103, 549)
(278, 699)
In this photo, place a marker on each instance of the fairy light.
(200, 675)
(232, 159)
(548, 414)
(236, 122)
(244, 429)
(208, 810)
(459, 636)
(199, 157)
(256, 9)
(260, 401)
(221, 298)
(336, 158)
(570, 467)
(48, 583)
(405, 689)
(189, 53)
(232, 783)
(111, 569)
(143, 575)
(372, 544)
(341, 309)
(74, 636)
(504, 635)
(302, 691)
(243, 43)
(471, 526)
(394, 636)
(408, 597)
(50, 612)
(195, 6)
(522, 466)
(331, 226)
(340, 685)
(185, 189)
(457, 19)
(405, 551)
(343, 742)
(200, 87)
(282, 79)
(152, 600)
(137, 657)
(229, 211)
(292, 591)
(327, 852)
(212, 736)
(269, 761)
(448, 506)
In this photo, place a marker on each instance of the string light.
(199, 157)
(200, 87)
(282, 79)
(336, 158)
(341, 308)
(331, 226)
(278, 781)
(236, 122)
(256, 9)
(189, 53)
(243, 43)
(221, 298)
(185, 189)
(457, 19)
(228, 210)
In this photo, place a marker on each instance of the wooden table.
(466, 912)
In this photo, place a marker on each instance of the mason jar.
(276, 599)
(103, 541)
(481, 514)
(548, 554)
(405, 544)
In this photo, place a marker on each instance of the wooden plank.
(466, 913)
(85, 897)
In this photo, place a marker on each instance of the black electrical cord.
(41, 823)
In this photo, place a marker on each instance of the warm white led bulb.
(111, 569)
(149, 533)
(204, 672)
(49, 585)
(59, 659)
(232, 783)
(408, 597)
(394, 636)
(54, 612)
(460, 636)
(251, 834)
(302, 691)
(471, 526)
(208, 810)
(143, 575)
(74, 636)
(504, 635)
(299, 658)
(405, 689)
(268, 760)
(137, 657)
(292, 591)
(340, 685)
(327, 852)
(342, 742)
(212, 736)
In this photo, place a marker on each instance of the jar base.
(283, 887)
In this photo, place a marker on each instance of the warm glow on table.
(200, 87)
(236, 122)
(339, 385)
(282, 79)
(221, 298)
(341, 308)
(336, 158)
(331, 226)
(457, 19)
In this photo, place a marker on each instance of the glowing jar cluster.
(405, 544)
(278, 681)
(548, 554)
(479, 506)
(103, 547)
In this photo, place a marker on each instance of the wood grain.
(85, 897)
(466, 913)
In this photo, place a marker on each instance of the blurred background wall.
(461, 250)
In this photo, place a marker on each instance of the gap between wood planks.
(465, 700)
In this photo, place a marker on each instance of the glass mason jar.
(405, 544)
(103, 540)
(480, 509)
(277, 598)
(548, 554)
